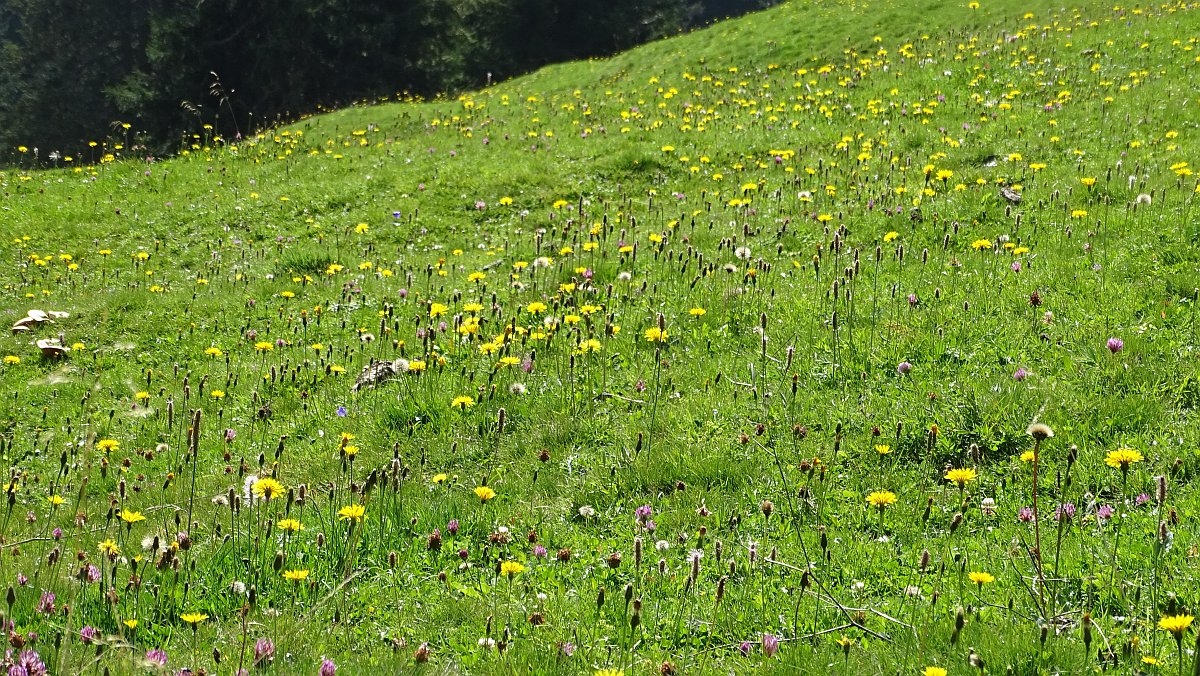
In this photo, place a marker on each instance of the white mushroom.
(52, 349)
(25, 324)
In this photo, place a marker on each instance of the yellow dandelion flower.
(290, 525)
(881, 499)
(1122, 458)
(193, 618)
(484, 493)
(961, 476)
(267, 488)
(981, 578)
(1176, 624)
(511, 569)
(352, 512)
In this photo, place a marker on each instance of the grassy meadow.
(847, 337)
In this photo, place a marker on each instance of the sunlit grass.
(720, 355)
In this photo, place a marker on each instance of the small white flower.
(662, 545)
(247, 484)
(988, 506)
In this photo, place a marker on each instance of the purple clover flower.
(45, 604)
(644, 512)
(264, 651)
(157, 656)
(770, 644)
(1064, 512)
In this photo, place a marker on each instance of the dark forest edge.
(148, 75)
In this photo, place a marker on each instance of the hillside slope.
(778, 299)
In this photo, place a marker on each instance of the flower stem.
(1037, 531)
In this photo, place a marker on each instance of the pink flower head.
(770, 644)
(157, 656)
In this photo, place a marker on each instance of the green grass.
(778, 172)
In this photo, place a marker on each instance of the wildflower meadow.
(854, 336)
